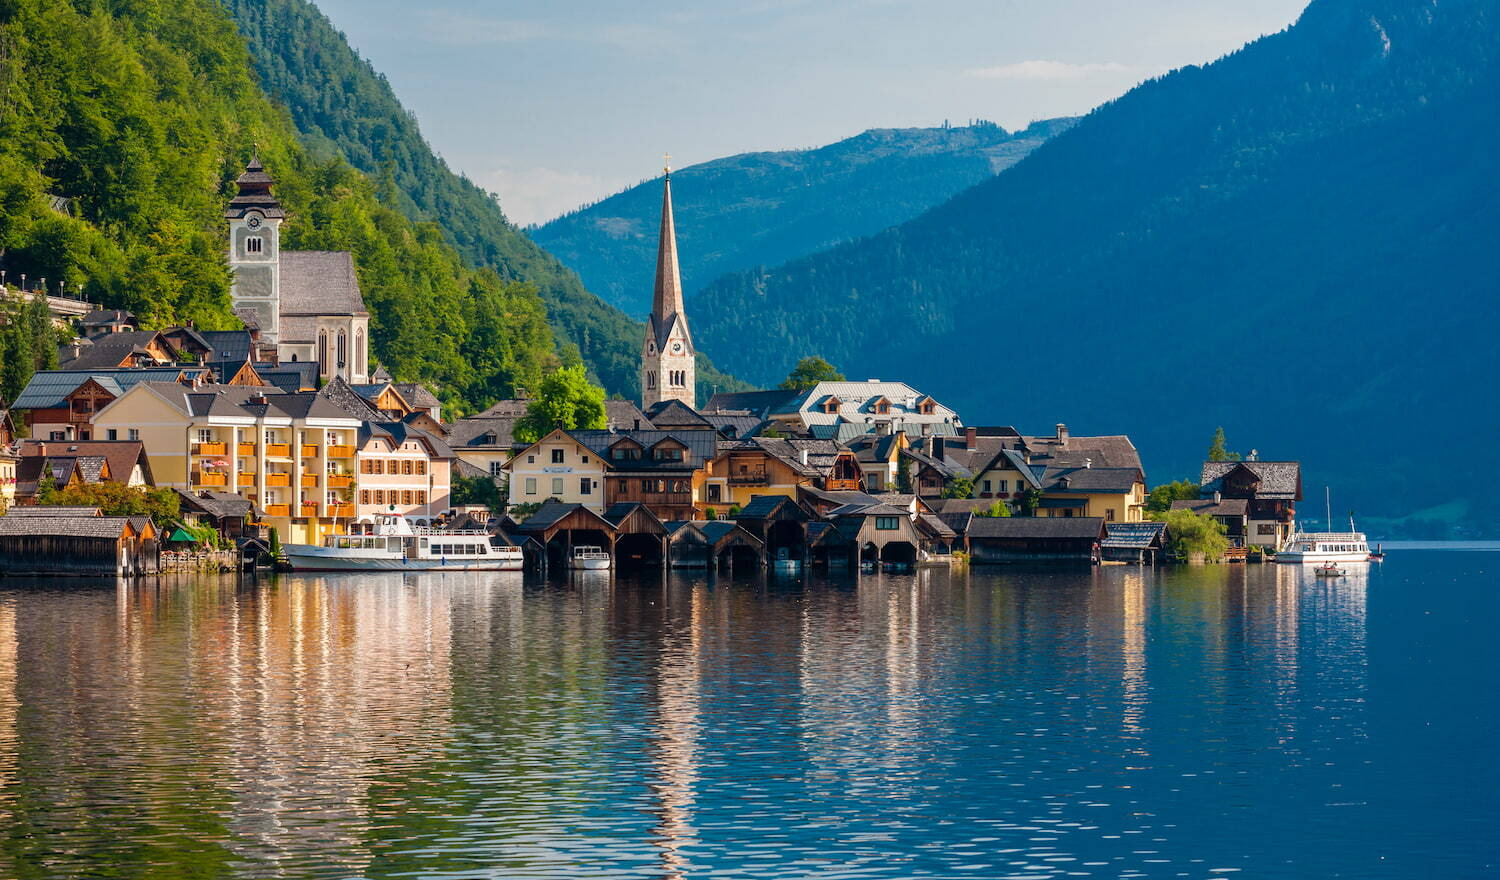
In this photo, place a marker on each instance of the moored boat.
(1326, 547)
(1328, 570)
(395, 545)
(590, 559)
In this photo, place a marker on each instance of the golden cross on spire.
(666, 163)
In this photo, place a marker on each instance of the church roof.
(319, 283)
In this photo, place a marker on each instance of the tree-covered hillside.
(122, 128)
(1296, 242)
(760, 209)
(343, 107)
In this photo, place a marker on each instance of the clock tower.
(255, 219)
(668, 363)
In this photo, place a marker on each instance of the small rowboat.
(1328, 570)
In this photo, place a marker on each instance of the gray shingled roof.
(700, 445)
(1279, 480)
(1209, 507)
(1133, 536)
(48, 389)
(1034, 527)
(756, 403)
(1103, 480)
(64, 526)
(469, 432)
(319, 283)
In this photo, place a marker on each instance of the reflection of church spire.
(678, 727)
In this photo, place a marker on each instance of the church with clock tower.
(307, 304)
(668, 363)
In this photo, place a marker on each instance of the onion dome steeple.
(254, 193)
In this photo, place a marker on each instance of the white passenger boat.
(590, 558)
(1326, 548)
(396, 546)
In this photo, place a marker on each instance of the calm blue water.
(1206, 722)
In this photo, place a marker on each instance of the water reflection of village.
(375, 725)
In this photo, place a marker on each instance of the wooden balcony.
(207, 478)
(749, 478)
(278, 510)
(336, 451)
(309, 481)
(246, 448)
(340, 481)
(309, 451)
(210, 448)
(841, 485)
(278, 480)
(246, 479)
(340, 510)
(278, 450)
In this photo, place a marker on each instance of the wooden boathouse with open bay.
(76, 541)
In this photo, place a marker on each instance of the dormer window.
(831, 405)
(881, 407)
(667, 453)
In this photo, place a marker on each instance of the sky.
(560, 103)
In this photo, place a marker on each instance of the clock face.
(253, 222)
(676, 347)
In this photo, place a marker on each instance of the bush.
(1192, 533)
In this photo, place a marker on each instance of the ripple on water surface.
(1114, 722)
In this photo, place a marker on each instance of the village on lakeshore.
(152, 450)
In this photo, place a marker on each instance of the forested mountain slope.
(1297, 242)
(342, 106)
(760, 209)
(122, 128)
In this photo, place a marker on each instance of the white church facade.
(668, 362)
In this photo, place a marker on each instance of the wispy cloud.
(537, 194)
(1048, 70)
(454, 29)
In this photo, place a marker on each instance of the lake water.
(1244, 721)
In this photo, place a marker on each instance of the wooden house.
(1034, 539)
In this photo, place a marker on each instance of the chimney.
(971, 438)
(804, 458)
(1062, 434)
(937, 446)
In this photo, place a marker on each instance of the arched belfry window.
(651, 379)
(343, 350)
(322, 351)
(361, 355)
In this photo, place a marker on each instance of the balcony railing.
(278, 480)
(278, 510)
(309, 450)
(208, 478)
(210, 448)
(340, 510)
(749, 478)
(247, 448)
(246, 479)
(340, 481)
(309, 481)
(832, 485)
(339, 451)
(278, 450)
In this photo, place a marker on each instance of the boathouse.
(779, 523)
(557, 528)
(76, 541)
(1035, 539)
(641, 538)
(1139, 542)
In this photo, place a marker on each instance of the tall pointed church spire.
(668, 362)
(667, 300)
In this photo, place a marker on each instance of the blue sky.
(559, 103)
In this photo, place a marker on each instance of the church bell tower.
(668, 363)
(255, 219)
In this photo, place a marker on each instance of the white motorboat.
(590, 559)
(1328, 570)
(395, 545)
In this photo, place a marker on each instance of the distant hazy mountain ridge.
(765, 208)
(1296, 241)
